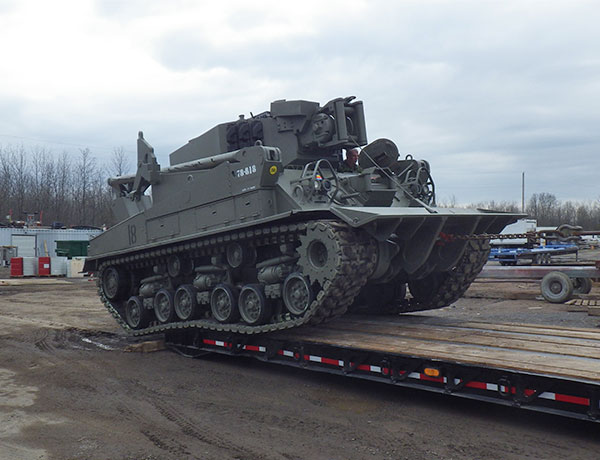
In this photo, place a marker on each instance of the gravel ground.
(69, 391)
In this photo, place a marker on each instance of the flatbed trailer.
(538, 367)
(558, 282)
(536, 256)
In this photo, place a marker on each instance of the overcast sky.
(482, 90)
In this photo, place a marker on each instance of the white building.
(41, 242)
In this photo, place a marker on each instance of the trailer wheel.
(557, 287)
(582, 285)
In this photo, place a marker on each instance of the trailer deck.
(545, 368)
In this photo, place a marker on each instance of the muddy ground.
(69, 391)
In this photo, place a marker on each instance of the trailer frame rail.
(573, 398)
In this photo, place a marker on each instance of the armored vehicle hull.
(258, 225)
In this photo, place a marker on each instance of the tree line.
(547, 210)
(72, 189)
(65, 188)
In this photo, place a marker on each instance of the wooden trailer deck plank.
(531, 342)
(542, 329)
(491, 345)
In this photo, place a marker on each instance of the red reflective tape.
(209, 342)
(332, 362)
(477, 385)
(432, 379)
(251, 348)
(529, 392)
(364, 367)
(572, 399)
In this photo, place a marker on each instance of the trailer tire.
(582, 285)
(557, 287)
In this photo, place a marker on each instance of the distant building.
(39, 242)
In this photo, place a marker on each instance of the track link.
(454, 283)
(355, 261)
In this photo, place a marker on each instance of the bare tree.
(86, 170)
(120, 163)
(19, 173)
(61, 187)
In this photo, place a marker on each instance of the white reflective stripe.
(548, 395)
(262, 349)
(341, 363)
(375, 369)
(491, 386)
(316, 359)
(415, 375)
(218, 343)
(288, 353)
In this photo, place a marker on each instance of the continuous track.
(450, 286)
(354, 256)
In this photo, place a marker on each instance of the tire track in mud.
(50, 339)
(192, 428)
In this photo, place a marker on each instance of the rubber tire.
(265, 307)
(551, 282)
(234, 314)
(144, 313)
(191, 291)
(171, 312)
(582, 285)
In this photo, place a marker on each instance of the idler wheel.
(136, 314)
(223, 304)
(186, 305)
(297, 294)
(115, 283)
(164, 306)
(253, 305)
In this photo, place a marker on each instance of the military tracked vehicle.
(254, 228)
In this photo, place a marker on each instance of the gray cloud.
(482, 90)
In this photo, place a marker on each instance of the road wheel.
(164, 306)
(557, 287)
(582, 285)
(186, 306)
(253, 305)
(223, 304)
(136, 314)
(297, 294)
(115, 283)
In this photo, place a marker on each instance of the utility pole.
(523, 191)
